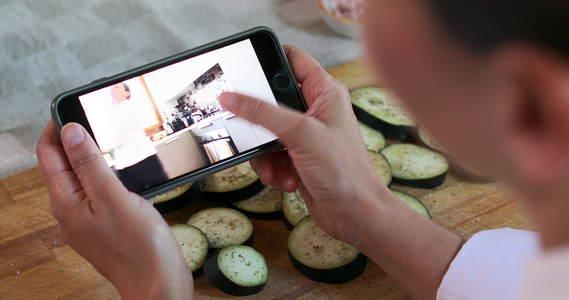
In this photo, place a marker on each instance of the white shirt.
(547, 276)
(130, 141)
(491, 266)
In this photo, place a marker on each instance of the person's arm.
(118, 232)
(328, 162)
(412, 249)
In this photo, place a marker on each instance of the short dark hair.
(127, 88)
(485, 24)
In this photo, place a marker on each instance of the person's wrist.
(156, 272)
(367, 211)
(169, 280)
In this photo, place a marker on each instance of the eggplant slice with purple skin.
(237, 270)
(416, 166)
(322, 258)
(378, 108)
(266, 205)
(232, 185)
(178, 198)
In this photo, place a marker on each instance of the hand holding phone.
(161, 126)
(326, 157)
(320, 144)
(122, 235)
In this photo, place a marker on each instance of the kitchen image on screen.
(197, 104)
(168, 122)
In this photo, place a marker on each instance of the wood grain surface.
(36, 264)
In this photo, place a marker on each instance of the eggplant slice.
(266, 205)
(178, 198)
(294, 209)
(194, 246)
(322, 258)
(428, 140)
(223, 227)
(382, 166)
(232, 185)
(374, 140)
(379, 109)
(413, 202)
(416, 166)
(237, 270)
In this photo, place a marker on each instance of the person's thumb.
(87, 161)
(278, 120)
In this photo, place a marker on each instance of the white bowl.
(344, 26)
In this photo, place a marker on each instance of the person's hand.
(325, 157)
(118, 232)
(328, 161)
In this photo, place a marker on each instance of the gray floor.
(49, 46)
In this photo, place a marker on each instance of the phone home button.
(281, 81)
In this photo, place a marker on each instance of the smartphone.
(160, 126)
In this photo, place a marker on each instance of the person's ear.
(537, 114)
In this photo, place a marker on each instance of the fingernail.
(227, 101)
(72, 134)
(289, 184)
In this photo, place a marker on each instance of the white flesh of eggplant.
(294, 208)
(243, 265)
(193, 242)
(223, 226)
(267, 201)
(173, 193)
(413, 202)
(412, 162)
(314, 248)
(374, 140)
(382, 166)
(231, 179)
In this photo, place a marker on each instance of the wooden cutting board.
(36, 264)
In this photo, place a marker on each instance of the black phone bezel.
(67, 108)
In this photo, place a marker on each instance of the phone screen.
(165, 123)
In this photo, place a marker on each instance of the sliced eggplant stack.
(194, 246)
(237, 270)
(374, 140)
(416, 166)
(322, 258)
(294, 209)
(266, 205)
(379, 109)
(413, 202)
(178, 198)
(382, 166)
(223, 227)
(232, 185)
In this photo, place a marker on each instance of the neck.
(550, 216)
